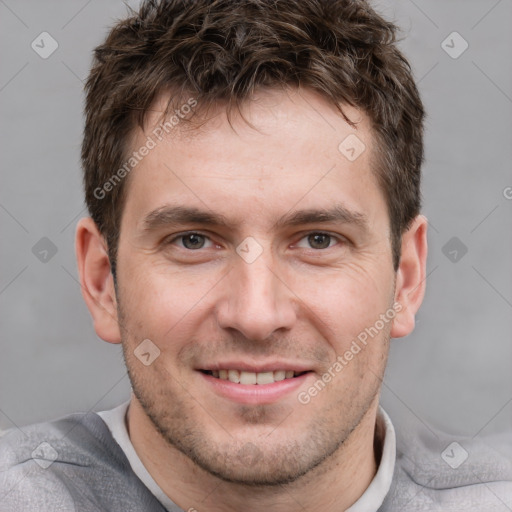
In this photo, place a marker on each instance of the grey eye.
(193, 241)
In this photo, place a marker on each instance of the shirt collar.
(379, 487)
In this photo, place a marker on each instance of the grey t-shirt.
(73, 464)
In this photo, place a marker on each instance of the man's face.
(225, 264)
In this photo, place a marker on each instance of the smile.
(266, 386)
(253, 378)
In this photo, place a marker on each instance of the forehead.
(287, 150)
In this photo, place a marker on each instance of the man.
(252, 171)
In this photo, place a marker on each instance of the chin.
(254, 467)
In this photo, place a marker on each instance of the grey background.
(453, 371)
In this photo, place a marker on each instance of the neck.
(334, 485)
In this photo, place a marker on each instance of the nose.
(256, 301)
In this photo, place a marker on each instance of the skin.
(298, 302)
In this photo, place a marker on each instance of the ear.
(96, 280)
(410, 278)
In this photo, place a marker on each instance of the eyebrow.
(175, 215)
(337, 213)
(172, 215)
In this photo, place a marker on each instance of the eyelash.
(188, 233)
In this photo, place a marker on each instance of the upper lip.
(271, 366)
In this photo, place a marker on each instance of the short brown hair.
(222, 51)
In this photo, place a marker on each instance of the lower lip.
(255, 393)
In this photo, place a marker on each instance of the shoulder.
(438, 471)
(64, 465)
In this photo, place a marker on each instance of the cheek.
(349, 311)
(347, 301)
(157, 301)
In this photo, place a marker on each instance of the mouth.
(247, 378)
(240, 383)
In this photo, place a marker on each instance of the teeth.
(251, 378)
(264, 377)
(248, 378)
(234, 376)
(279, 375)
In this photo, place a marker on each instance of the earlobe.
(96, 280)
(410, 279)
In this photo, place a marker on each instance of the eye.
(192, 241)
(317, 241)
